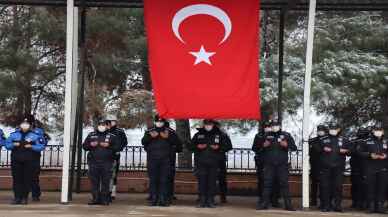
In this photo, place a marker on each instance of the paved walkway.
(134, 205)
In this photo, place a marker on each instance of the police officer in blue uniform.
(101, 145)
(111, 121)
(208, 144)
(375, 153)
(275, 148)
(322, 131)
(159, 141)
(24, 145)
(333, 150)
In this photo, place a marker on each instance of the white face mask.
(101, 128)
(378, 133)
(276, 129)
(25, 126)
(208, 127)
(268, 129)
(159, 124)
(321, 133)
(333, 132)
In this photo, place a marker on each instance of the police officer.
(24, 144)
(375, 153)
(159, 141)
(222, 170)
(332, 150)
(314, 162)
(101, 145)
(111, 121)
(209, 144)
(358, 188)
(276, 146)
(177, 147)
(257, 147)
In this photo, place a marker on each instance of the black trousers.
(331, 180)
(314, 175)
(358, 188)
(171, 180)
(35, 188)
(207, 180)
(376, 185)
(222, 182)
(159, 175)
(279, 174)
(22, 174)
(100, 175)
(260, 179)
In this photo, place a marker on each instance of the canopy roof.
(266, 4)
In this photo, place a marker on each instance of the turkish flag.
(204, 57)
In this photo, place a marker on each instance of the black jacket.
(160, 148)
(313, 151)
(257, 147)
(121, 139)
(333, 158)
(357, 161)
(214, 137)
(375, 146)
(276, 154)
(101, 154)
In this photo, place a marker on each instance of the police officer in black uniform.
(375, 153)
(322, 130)
(111, 121)
(257, 147)
(159, 143)
(177, 147)
(358, 188)
(101, 145)
(222, 170)
(276, 146)
(333, 150)
(208, 144)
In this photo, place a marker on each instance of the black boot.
(16, 201)
(163, 201)
(288, 205)
(380, 208)
(262, 206)
(371, 207)
(154, 200)
(210, 202)
(202, 202)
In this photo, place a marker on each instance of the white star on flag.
(202, 56)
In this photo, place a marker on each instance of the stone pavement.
(134, 205)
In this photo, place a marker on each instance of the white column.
(306, 105)
(71, 70)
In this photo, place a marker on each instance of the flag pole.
(306, 106)
(70, 84)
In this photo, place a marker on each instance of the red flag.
(204, 57)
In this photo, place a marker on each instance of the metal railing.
(134, 158)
